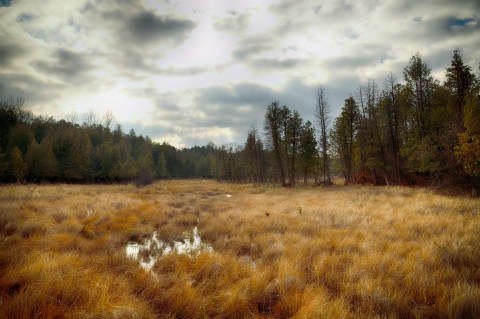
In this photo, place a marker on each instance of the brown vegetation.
(341, 252)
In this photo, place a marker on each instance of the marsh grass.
(341, 252)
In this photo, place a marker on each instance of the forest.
(418, 131)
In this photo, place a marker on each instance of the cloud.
(276, 63)
(223, 114)
(134, 62)
(189, 71)
(237, 95)
(136, 38)
(235, 22)
(9, 52)
(128, 23)
(66, 64)
(25, 18)
(146, 27)
(19, 85)
(253, 45)
(240, 105)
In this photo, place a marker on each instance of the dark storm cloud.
(66, 64)
(139, 37)
(10, 51)
(146, 26)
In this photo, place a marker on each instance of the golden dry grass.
(342, 252)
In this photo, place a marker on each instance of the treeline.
(420, 131)
(36, 149)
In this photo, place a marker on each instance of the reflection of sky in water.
(153, 247)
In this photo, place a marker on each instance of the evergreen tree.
(468, 148)
(7, 121)
(32, 159)
(4, 166)
(21, 135)
(344, 135)
(41, 160)
(420, 85)
(48, 165)
(308, 151)
(275, 136)
(459, 81)
(295, 124)
(251, 152)
(162, 171)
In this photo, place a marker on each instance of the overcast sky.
(190, 72)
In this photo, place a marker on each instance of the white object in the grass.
(191, 246)
(229, 195)
(154, 248)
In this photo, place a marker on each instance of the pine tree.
(49, 165)
(459, 80)
(33, 159)
(295, 124)
(252, 154)
(308, 151)
(162, 166)
(468, 148)
(4, 166)
(273, 128)
(420, 85)
(344, 135)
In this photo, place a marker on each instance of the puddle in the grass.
(153, 248)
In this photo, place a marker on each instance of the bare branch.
(108, 118)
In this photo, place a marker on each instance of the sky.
(191, 72)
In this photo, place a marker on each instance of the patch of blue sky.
(458, 22)
(5, 3)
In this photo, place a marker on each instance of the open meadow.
(202, 249)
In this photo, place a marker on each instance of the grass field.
(261, 252)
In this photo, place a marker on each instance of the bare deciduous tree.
(322, 115)
(108, 118)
